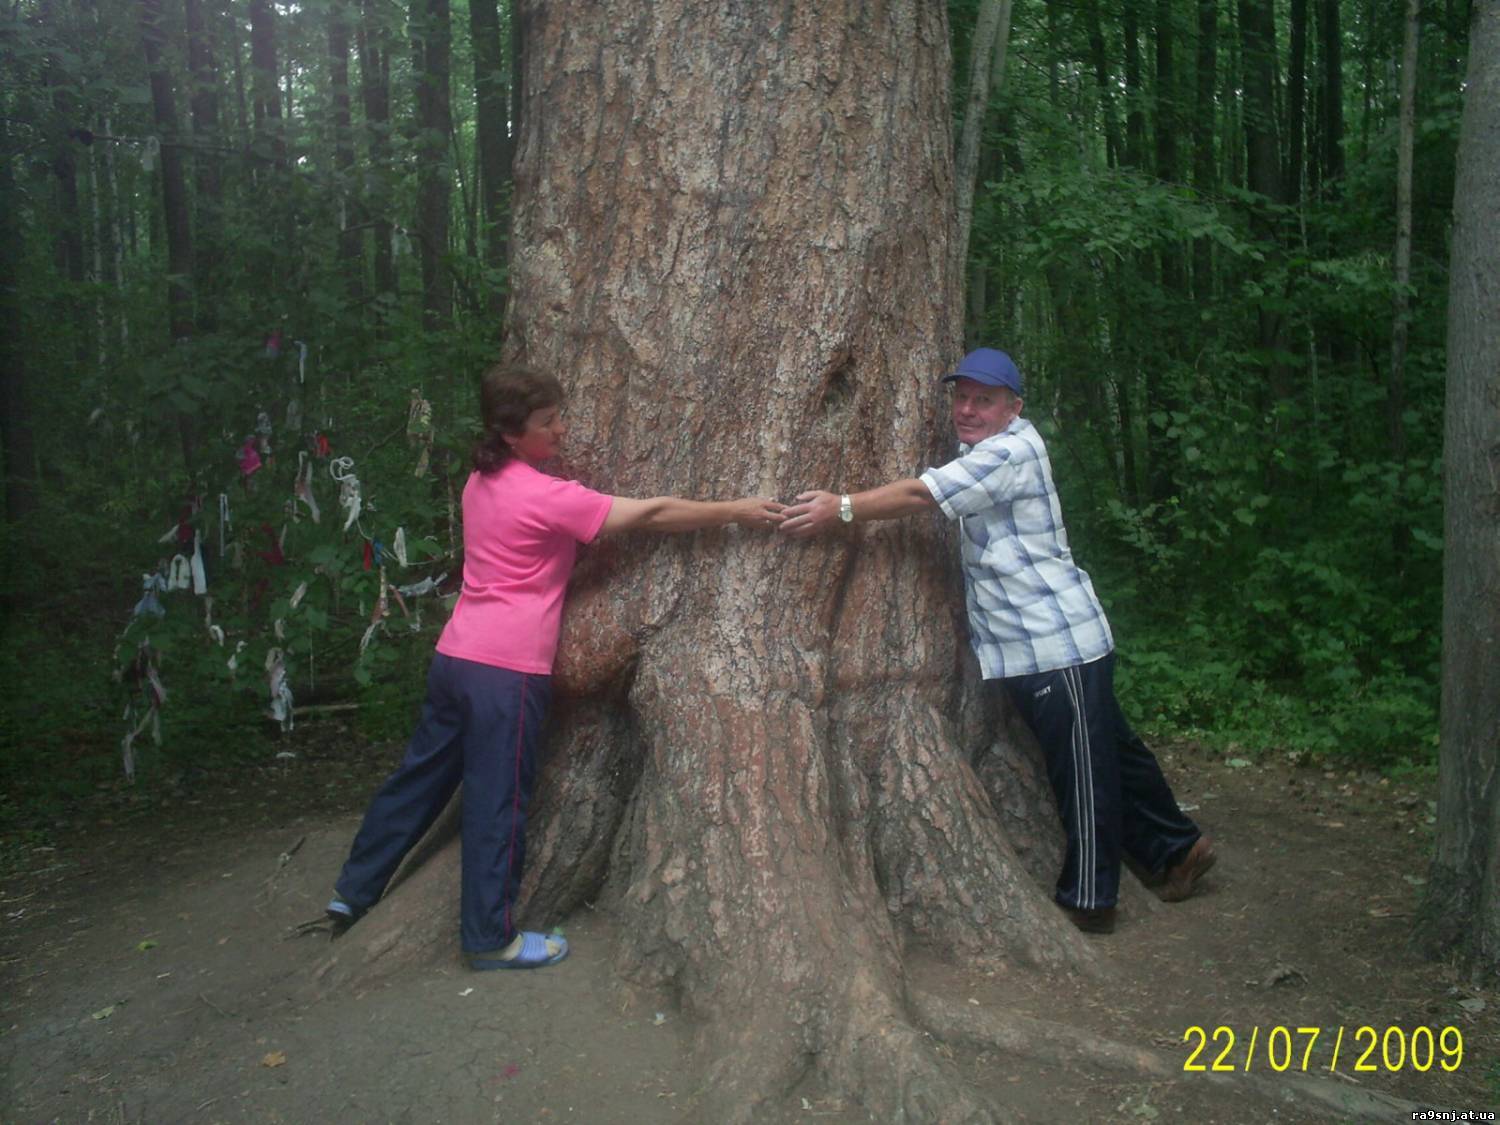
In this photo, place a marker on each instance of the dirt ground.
(147, 975)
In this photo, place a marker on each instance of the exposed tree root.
(1072, 1049)
(858, 1043)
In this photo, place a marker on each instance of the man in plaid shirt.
(1037, 627)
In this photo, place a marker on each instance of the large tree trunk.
(1462, 911)
(754, 763)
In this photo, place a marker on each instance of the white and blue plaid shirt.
(1031, 609)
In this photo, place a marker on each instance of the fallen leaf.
(1333, 824)
(145, 945)
(1237, 763)
(659, 1019)
(466, 991)
(275, 1058)
(1473, 1004)
(104, 1013)
(1415, 880)
(973, 1001)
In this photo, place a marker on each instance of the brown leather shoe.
(1181, 876)
(1100, 921)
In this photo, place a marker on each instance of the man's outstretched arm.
(817, 510)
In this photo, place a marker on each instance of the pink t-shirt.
(521, 533)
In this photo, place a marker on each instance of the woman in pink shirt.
(490, 681)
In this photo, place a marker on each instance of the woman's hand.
(757, 511)
(670, 513)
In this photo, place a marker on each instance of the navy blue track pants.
(1109, 787)
(480, 725)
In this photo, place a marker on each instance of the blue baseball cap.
(990, 367)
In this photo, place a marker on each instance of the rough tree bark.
(1462, 911)
(733, 237)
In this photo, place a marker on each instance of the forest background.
(233, 222)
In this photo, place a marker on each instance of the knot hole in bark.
(836, 384)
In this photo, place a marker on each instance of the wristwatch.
(846, 509)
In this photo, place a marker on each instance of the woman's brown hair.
(507, 396)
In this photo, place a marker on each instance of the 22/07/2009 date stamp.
(1358, 1049)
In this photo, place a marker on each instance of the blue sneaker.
(342, 913)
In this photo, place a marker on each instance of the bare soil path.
(147, 975)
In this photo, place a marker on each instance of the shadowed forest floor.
(147, 973)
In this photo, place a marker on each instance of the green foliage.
(1210, 369)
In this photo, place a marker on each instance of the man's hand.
(814, 512)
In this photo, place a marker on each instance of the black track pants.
(1110, 790)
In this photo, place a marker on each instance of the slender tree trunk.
(1258, 42)
(495, 150)
(431, 45)
(208, 200)
(986, 73)
(175, 206)
(1100, 59)
(375, 93)
(739, 307)
(1166, 94)
(1262, 155)
(1395, 404)
(19, 453)
(1331, 64)
(351, 252)
(1204, 178)
(1161, 391)
(1296, 100)
(62, 117)
(1462, 910)
(265, 82)
(118, 225)
(1135, 113)
(241, 103)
